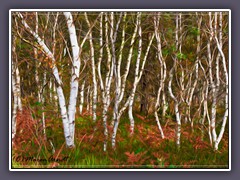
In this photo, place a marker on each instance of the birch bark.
(214, 93)
(176, 103)
(75, 73)
(81, 97)
(94, 79)
(162, 71)
(224, 63)
(17, 105)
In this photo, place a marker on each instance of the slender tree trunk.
(225, 117)
(105, 87)
(136, 79)
(176, 103)
(88, 98)
(113, 36)
(37, 62)
(18, 83)
(14, 88)
(205, 104)
(81, 97)
(94, 103)
(17, 104)
(43, 103)
(162, 71)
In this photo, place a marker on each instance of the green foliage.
(194, 31)
(165, 52)
(181, 56)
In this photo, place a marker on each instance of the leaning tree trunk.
(61, 97)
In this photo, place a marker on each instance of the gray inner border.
(123, 4)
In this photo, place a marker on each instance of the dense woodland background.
(120, 89)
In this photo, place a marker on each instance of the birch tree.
(94, 79)
(219, 42)
(162, 71)
(171, 73)
(81, 97)
(17, 104)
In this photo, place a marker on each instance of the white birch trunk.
(53, 51)
(55, 95)
(205, 105)
(18, 83)
(94, 103)
(17, 104)
(113, 36)
(37, 63)
(162, 71)
(176, 103)
(15, 95)
(214, 93)
(81, 97)
(104, 89)
(114, 64)
(75, 73)
(225, 117)
(91, 102)
(136, 78)
(165, 105)
(88, 98)
(42, 102)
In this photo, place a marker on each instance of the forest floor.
(144, 149)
